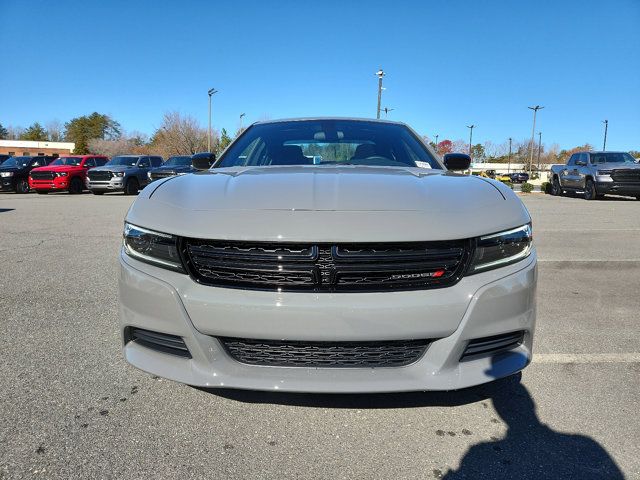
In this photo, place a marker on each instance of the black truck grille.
(341, 267)
(99, 176)
(396, 353)
(626, 175)
(43, 175)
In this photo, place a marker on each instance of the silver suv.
(328, 255)
(126, 173)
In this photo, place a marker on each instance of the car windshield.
(17, 162)
(67, 161)
(612, 157)
(130, 161)
(177, 162)
(328, 142)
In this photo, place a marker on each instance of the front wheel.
(22, 186)
(590, 190)
(131, 187)
(556, 189)
(75, 186)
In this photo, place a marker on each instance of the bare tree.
(111, 148)
(14, 132)
(180, 135)
(55, 130)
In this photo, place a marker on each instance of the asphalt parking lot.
(72, 408)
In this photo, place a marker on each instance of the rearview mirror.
(203, 161)
(457, 161)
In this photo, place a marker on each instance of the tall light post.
(241, 117)
(380, 73)
(509, 165)
(211, 92)
(606, 126)
(539, 147)
(437, 142)
(470, 127)
(533, 132)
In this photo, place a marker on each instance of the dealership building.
(26, 148)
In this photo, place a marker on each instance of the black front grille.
(338, 267)
(626, 175)
(396, 353)
(99, 175)
(161, 342)
(492, 345)
(43, 175)
(165, 174)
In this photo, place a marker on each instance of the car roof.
(350, 119)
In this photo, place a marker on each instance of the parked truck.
(595, 174)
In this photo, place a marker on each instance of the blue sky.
(449, 63)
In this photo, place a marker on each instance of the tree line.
(180, 134)
(98, 133)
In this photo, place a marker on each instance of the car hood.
(57, 168)
(328, 204)
(114, 168)
(177, 169)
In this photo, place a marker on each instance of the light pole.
(470, 127)
(533, 132)
(606, 126)
(509, 165)
(380, 73)
(387, 110)
(437, 142)
(211, 92)
(241, 116)
(539, 147)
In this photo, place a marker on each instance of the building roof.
(32, 144)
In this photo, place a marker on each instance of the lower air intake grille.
(161, 342)
(275, 353)
(491, 345)
(99, 175)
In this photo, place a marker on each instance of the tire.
(75, 186)
(590, 190)
(637, 197)
(22, 186)
(42, 192)
(131, 187)
(96, 192)
(556, 189)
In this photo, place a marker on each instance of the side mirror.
(457, 161)
(581, 163)
(203, 161)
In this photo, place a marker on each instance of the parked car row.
(96, 173)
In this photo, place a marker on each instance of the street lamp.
(380, 73)
(509, 165)
(387, 110)
(606, 126)
(539, 147)
(533, 132)
(241, 117)
(437, 142)
(211, 92)
(470, 127)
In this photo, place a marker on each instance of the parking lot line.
(563, 358)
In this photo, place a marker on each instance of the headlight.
(149, 175)
(500, 249)
(118, 174)
(6, 174)
(62, 174)
(156, 248)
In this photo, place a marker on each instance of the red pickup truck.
(65, 173)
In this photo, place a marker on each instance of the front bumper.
(7, 183)
(616, 188)
(481, 305)
(58, 183)
(115, 184)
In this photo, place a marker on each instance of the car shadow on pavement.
(529, 449)
(2, 210)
